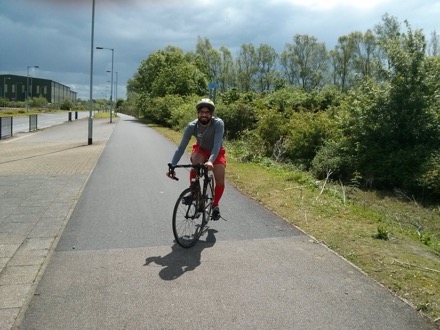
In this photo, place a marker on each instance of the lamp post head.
(112, 49)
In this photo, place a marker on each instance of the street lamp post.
(116, 92)
(27, 82)
(111, 88)
(92, 40)
(109, 81)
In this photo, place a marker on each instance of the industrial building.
(14, 88)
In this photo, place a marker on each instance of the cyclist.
(208, 149)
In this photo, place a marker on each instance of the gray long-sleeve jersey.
(209, 138)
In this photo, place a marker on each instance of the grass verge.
(32, 111)
(390, 237)
(15, 112)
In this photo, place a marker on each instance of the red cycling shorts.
(221, 158)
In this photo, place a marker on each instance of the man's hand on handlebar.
(209, 165)
(171, 173)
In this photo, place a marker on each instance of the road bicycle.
(193, 208)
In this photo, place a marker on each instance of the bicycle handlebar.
(197, 167)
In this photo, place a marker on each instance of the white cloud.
(323, 5)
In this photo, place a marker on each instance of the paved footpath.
(42, 175)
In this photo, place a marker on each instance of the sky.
(55, 35)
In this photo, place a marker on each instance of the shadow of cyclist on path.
(180, 260)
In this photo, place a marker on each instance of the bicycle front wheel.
(209, 197)
(187, 219)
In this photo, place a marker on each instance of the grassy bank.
(15, 112)
(390, 236)
(8, 112)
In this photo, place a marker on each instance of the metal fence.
(33, 122)
(5, 127)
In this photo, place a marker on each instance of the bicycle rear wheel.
(187, 219)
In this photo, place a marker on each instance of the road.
(21, 123)
(116, 265)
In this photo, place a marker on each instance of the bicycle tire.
(209, 197)
(188, 221)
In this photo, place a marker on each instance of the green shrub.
(382, 233)
(182, 115)
(159, 109)
(332, 156)
(238, 117)
(246, 148)
(66, 105)
(272, 126)
(38, 102)
(430, 178)
(306, 134)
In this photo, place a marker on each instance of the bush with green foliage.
(159, 109)
(247, 147)
(131, 105)
(238, 116)
(307, 133)
(429, 179)
(296, 99)
(184, 113)
(272, 127)
(38, 102)
(67, 104)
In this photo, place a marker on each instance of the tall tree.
(210, 57)
(343, 57)
(354, 56)
(387, 31)
(169, 72)
(226, 77)
(434, 45)
(366, 54)
(247, 67)
(305, 62)
(267, 60)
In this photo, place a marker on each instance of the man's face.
(205, 116)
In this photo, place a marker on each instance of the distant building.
(14, 88)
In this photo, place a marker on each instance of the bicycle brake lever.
(171, 172)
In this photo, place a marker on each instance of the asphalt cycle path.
(116, 265)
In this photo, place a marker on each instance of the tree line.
(365, 112)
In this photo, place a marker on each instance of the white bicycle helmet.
(205, 103)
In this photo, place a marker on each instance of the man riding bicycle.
(208, 148)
